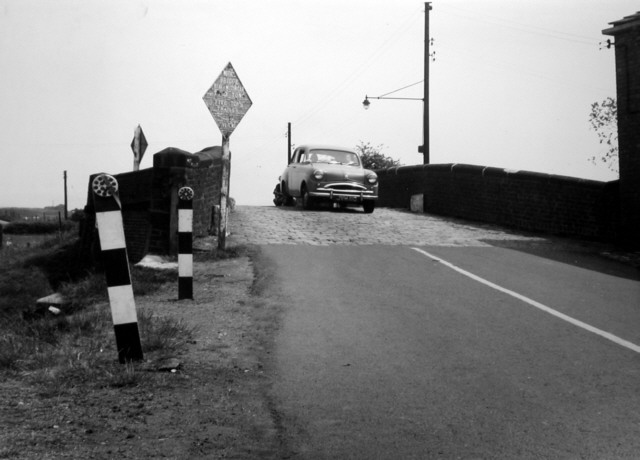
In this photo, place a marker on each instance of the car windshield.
(333, 157)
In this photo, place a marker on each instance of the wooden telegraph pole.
(228, 102)
(425, 120)
(288, 143)
(66, 212)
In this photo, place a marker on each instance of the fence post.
(116, 265)
(185, 243)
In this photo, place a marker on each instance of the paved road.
(411, 336)
(271, 225)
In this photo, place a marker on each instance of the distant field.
(25, 241)
(18, 214)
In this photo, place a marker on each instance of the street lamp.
(366, 103)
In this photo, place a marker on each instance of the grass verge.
(58, 353)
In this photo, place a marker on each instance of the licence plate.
(347, 198)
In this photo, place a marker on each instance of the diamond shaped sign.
(138, 144)
(227, 100)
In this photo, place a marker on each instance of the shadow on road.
(588, 255)
(325, 207)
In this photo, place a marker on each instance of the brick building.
(626, 33)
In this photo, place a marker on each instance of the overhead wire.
(521, 27)
(454, 11)
(338, 89)
(402, 28)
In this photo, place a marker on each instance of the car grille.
(345, 187)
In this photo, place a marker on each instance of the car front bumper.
(342, 195)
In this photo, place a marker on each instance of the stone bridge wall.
(149, 201)
(518, 199)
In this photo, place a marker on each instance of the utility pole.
(66, 214)
(288, 142)
(425, 126)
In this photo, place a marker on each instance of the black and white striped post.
(185, 243)
(116, 265)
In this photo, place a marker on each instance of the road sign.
(227, 100)
(138, 145)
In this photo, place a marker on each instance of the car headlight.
(372, 178)
(318, 174)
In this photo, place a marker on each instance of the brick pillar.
(626, 33)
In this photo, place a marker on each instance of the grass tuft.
(220, 254)
(162, 333)
(125, 376)
(85, 292)
(146, 280)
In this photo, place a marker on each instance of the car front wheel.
(368, 206)
(307, 201)
(278, 197)
(287, 199)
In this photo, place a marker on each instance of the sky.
(511, 85)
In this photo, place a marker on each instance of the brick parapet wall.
(135, 195)
(518, 199)
(149, 201)
(206, 187)
(134, 191)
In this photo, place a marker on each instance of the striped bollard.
(185, 243)
(116, 265)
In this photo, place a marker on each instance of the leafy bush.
(373, 158)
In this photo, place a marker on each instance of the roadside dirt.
(214, 405)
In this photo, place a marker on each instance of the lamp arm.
(403, 98)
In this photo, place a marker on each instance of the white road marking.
(551, 311)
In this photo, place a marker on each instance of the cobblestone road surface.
(285, 225)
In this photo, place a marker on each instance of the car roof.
(325, 147)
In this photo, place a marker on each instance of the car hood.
(333, 172)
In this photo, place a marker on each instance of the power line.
(522, 27)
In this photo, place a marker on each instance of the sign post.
(228, 102)
(138, 145)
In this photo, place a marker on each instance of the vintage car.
(319, 173)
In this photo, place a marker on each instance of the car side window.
(296, 157)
